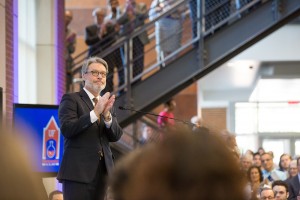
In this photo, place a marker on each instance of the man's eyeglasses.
(266, 160)
(96, 73)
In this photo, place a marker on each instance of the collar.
(91, 96)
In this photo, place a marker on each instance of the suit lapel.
(85, 98)
(297, 184)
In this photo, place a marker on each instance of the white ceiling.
(241, 74)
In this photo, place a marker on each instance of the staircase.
(215, 44)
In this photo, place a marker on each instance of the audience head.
(132, 2)
(148, 134)
(197, 120)
(230, 140)
(254, 174)
(267, 161)
(170, 105)
(249, 152)
(246, 161)
(266, 193)
(17, 178)
(271, 153)
(56, 195)
(284, 162)
(99, 15)
(293, 170)
(261, 150)
(172, 169)
(68, 17)
(114, 4)
(280, 189)
(257, 159)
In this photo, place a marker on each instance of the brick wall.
(9, 44)
(214, 118)
(60, 48)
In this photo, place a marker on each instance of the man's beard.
(97, 88)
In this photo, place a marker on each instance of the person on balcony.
(114, 58)
(70, 44)
(168, 30)
(133, 17)
(165, 119)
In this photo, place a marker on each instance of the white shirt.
(93, 115)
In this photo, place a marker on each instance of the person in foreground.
(185, 166)
(18, 181)
(56, 195)
(88, 124)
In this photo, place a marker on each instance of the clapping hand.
(109, 105)
(102, 104)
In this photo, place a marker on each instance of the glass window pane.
(245, 118)
(246, 142)
(278, 117)
(253, 118)
(297, 148)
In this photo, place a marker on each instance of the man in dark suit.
(294, 185)
(93, 32)
(88, 124)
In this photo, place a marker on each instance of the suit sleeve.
(71, 123)
(91, 36)
(292, 193)
(115, 132)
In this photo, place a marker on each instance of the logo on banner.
(51, 144)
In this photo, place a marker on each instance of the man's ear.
(287, 195)
(83, 76)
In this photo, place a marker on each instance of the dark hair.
(172, 169)
(261, 178)
(169, 102)
(280, 166)
(55, 192)
(281, 183)
(265, 188)
(255, 154)
(261, 148)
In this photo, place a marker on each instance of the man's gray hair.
(98, 10)
(265, 187)
(87, 62)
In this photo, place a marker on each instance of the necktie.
(270, 178)
(95, 100)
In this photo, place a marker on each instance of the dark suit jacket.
(83, 139)
(92, 38)
(294, 188)
(96, 45)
